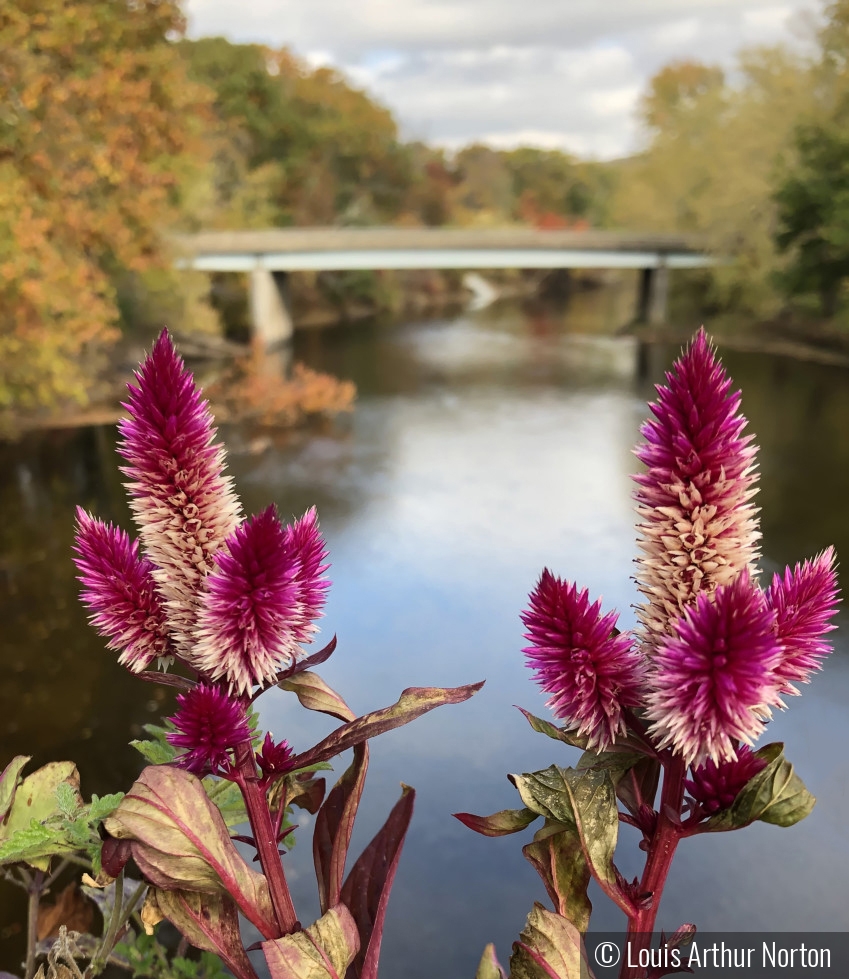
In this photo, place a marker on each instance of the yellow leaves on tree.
(97, 128)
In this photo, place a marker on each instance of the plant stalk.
(34, 890)
(661, 851)
(265, 838)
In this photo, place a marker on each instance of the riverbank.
(277, 391)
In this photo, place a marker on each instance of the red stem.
(256, 803)
(661, 851)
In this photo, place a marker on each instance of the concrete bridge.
(269, 256)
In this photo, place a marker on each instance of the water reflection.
(482, 449)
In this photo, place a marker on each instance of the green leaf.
(616, 763)
(501, 823)
(546, 793)
(315, 694)
(557, 733)
(9, 782)
(558, 857)
(488, 967)
(104, 806)
(35, 801)
(228, 798)
(593, 798)
(322, 951)
(79, 833)
(412, 703)
(180, 841)
(334, 825)
(67, 800)
(775, 795)
(550, 947)
(210, 922)
(155, 752)
(34, 844)
(638, 785)
(366, 889)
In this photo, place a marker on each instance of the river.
(483, 448)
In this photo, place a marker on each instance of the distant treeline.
(115, 129)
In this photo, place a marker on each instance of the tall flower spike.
(183, 504)
(260, 601)
(209, 725)
(591, 672)
(697, 524)
(804, 600)
(119, 590)
(305, 544)
(713, 681)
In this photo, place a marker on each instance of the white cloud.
(557, 73)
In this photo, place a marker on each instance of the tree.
(813, 215)
(97, 135)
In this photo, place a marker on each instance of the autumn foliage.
(98, 129)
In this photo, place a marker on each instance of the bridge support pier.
(653, 295)
(271, 315)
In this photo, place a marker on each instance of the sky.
(561, 74)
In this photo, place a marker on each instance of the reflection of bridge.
(270, 255)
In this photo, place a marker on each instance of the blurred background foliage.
(115, 129)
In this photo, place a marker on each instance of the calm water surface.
(483, 448)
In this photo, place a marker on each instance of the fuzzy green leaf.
(103, 806)
(67, 800)
(34, 844)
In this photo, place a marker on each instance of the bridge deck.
(300, 249)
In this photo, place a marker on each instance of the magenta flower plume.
(591, 672)
(119, 589)
(698, 526)
(305, 544)
(804, 600)
(713, 681)
(260, 601)
(209, 725)
(716, 787)
(183, 504)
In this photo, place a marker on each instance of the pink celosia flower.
(713, 680)
(698, 526)
(274, 758)
(209, 725)
(716, 787)
(591, 672)
(804, 600)
(119, 589)
(306, 545)
(260, 601)
(183, 504)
